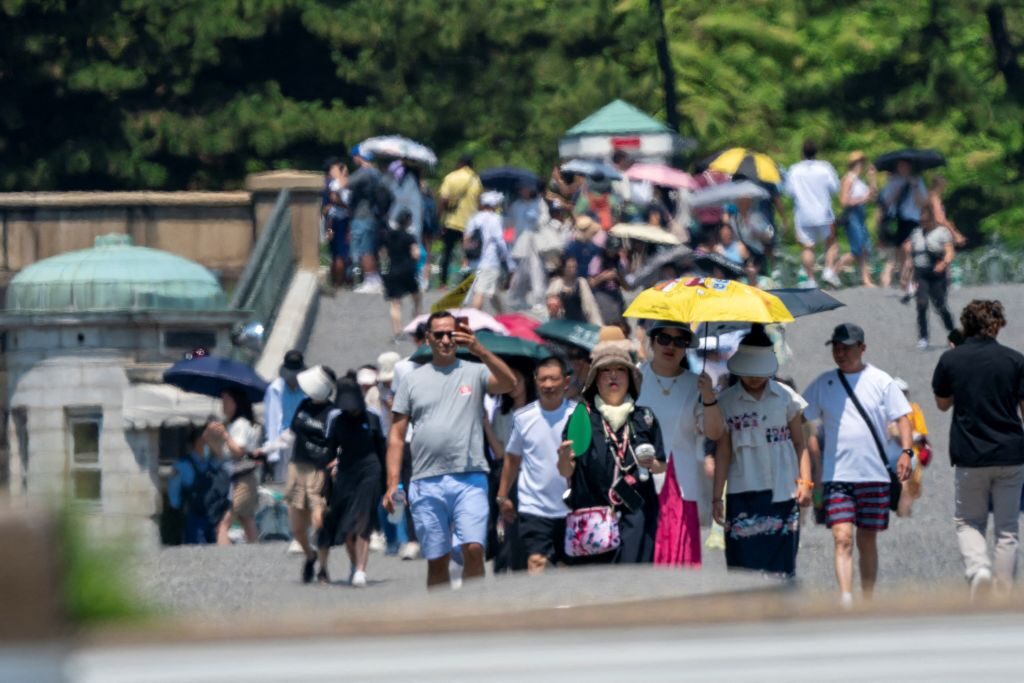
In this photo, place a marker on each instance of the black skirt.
(355, 492)
(761, 535)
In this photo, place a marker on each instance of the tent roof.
(618, 118)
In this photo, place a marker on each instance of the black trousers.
(450, 238)
(931, 286)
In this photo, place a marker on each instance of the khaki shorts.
(487, 282)
(244, 496)
(304, 490)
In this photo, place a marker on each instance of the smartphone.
(631, 499)
(461, 323)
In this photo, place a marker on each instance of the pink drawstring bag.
(677, 543)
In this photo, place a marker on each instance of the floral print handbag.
(591, 531)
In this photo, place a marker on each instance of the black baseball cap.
(848, 334)
(293, 360)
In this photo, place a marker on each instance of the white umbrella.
(398, 147)
(727, 192)
(642, 232)
(590, 168)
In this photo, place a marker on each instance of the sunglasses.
(666, 339)
(438, 336)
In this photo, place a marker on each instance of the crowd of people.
(549, 248)
(518, 463)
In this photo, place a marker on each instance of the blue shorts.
(449, 504)
(339, 240)
(363, 238)
(857, 232)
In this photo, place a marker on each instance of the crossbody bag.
(895, 485)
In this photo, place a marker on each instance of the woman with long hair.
(611, 491)
(237, 437)
(932, 252)
(355, 485)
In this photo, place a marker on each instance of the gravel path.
(352, 329)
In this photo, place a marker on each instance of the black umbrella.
(507, 179)
(210, 375)
(801, 302)
(709, 262)
(920, 159)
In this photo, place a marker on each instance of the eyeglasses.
(438, 336)
(680, 342)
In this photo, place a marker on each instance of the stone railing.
(264, 281)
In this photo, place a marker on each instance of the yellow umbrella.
(690, 300)
(748, 163)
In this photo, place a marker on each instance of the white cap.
(492, 198)
(316, 383)
(366, 377)
(386, 364)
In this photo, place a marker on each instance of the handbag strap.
(867, 420)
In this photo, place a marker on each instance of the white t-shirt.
(849, 452)
(493, 250)
(536, 435)
(811, 183)
(763, 456)
(677, 416)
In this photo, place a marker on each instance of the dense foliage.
(104, 94)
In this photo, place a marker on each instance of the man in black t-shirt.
(983, 381)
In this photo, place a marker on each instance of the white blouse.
(763, 456)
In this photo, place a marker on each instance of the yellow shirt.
(461, 190)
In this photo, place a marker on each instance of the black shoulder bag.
(895, 485)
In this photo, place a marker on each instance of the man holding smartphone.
(443, 402)
(531, 457)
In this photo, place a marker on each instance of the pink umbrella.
(674, 544)
(478, 320)
(658, 174)
(520, 325)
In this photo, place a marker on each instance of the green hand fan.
(579, 430)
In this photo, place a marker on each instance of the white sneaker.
(831, 278)
(981, 583)
(409, 551)
(922, 344)
(808, 284)
(378, 542)
(846, 601)
(359, 580)
(369, 287)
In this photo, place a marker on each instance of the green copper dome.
(114, 276)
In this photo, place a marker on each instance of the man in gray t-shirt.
(443, 402)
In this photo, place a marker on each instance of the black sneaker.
(307, 569)
(322, 576)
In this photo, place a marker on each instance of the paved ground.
(352, 329)
(934, 649)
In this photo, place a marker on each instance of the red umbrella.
(520, 325)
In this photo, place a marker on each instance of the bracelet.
(708, 405)
(805, 482)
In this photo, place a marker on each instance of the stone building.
(87, 335)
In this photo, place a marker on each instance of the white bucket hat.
(316, 383)
(386, 365)
(755, 356)
(754, 361)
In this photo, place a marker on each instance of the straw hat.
(586, 226)
(316, 383)
(854, 157)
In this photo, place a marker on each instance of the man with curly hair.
(983, 382)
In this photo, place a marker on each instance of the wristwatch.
(500, 500)
(908, 451)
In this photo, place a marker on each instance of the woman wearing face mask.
(611, 490)
(763, 457)
(356, 483)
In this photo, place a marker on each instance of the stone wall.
(216, 229)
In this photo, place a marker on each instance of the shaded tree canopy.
(171, 94)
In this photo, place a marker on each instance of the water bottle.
(398, 501)
(643, 452)
(956, 276)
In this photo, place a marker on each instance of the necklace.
(665, 391)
